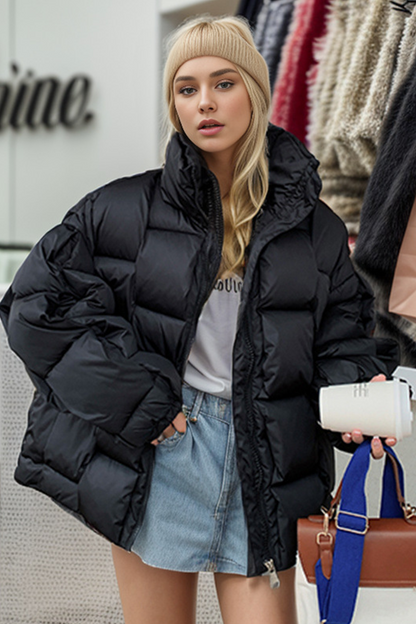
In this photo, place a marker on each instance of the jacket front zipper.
(258, 471)
(271, 572)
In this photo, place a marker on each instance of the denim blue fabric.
(194, 519)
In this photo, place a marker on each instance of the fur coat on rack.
(350, 98)
(387, 205)
(290, 97)
(272, 27)
(406, 53)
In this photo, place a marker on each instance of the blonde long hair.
(230, 38)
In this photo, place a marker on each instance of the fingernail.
(347, 436)
(377, 441)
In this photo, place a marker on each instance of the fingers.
(178, 424)
(377, 450)
(379, 377)
(355, 436)
(167, 433)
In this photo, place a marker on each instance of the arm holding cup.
(345, 351)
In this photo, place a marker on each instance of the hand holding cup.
(356, 436)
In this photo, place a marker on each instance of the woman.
(126, 318)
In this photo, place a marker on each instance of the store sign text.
(27, 101)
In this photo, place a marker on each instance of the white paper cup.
(379, 408)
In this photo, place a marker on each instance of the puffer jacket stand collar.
(186, 181)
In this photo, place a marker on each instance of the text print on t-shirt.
(230, 284)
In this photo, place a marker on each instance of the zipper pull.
(271, 571)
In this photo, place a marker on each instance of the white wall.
(5, 139)
(118, 43)
(115, 42)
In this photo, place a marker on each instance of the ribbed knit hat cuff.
(234, 49)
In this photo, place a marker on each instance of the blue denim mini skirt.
(194, 519)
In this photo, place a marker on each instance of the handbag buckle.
(325, 533)
(327, 517)
(328, 537)
(354, 515)
(328, 513)
(409, 511)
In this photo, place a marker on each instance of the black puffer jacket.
(103, 313)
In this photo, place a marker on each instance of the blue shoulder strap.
(337, 595)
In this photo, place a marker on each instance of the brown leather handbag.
(389, 554)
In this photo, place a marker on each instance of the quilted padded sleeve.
(60, 319)
(345, 351)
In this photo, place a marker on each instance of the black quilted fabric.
(103, 313)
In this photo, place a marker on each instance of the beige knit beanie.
(227, 37)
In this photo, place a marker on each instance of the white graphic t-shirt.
(209, 366)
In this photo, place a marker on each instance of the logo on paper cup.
(361, 390)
